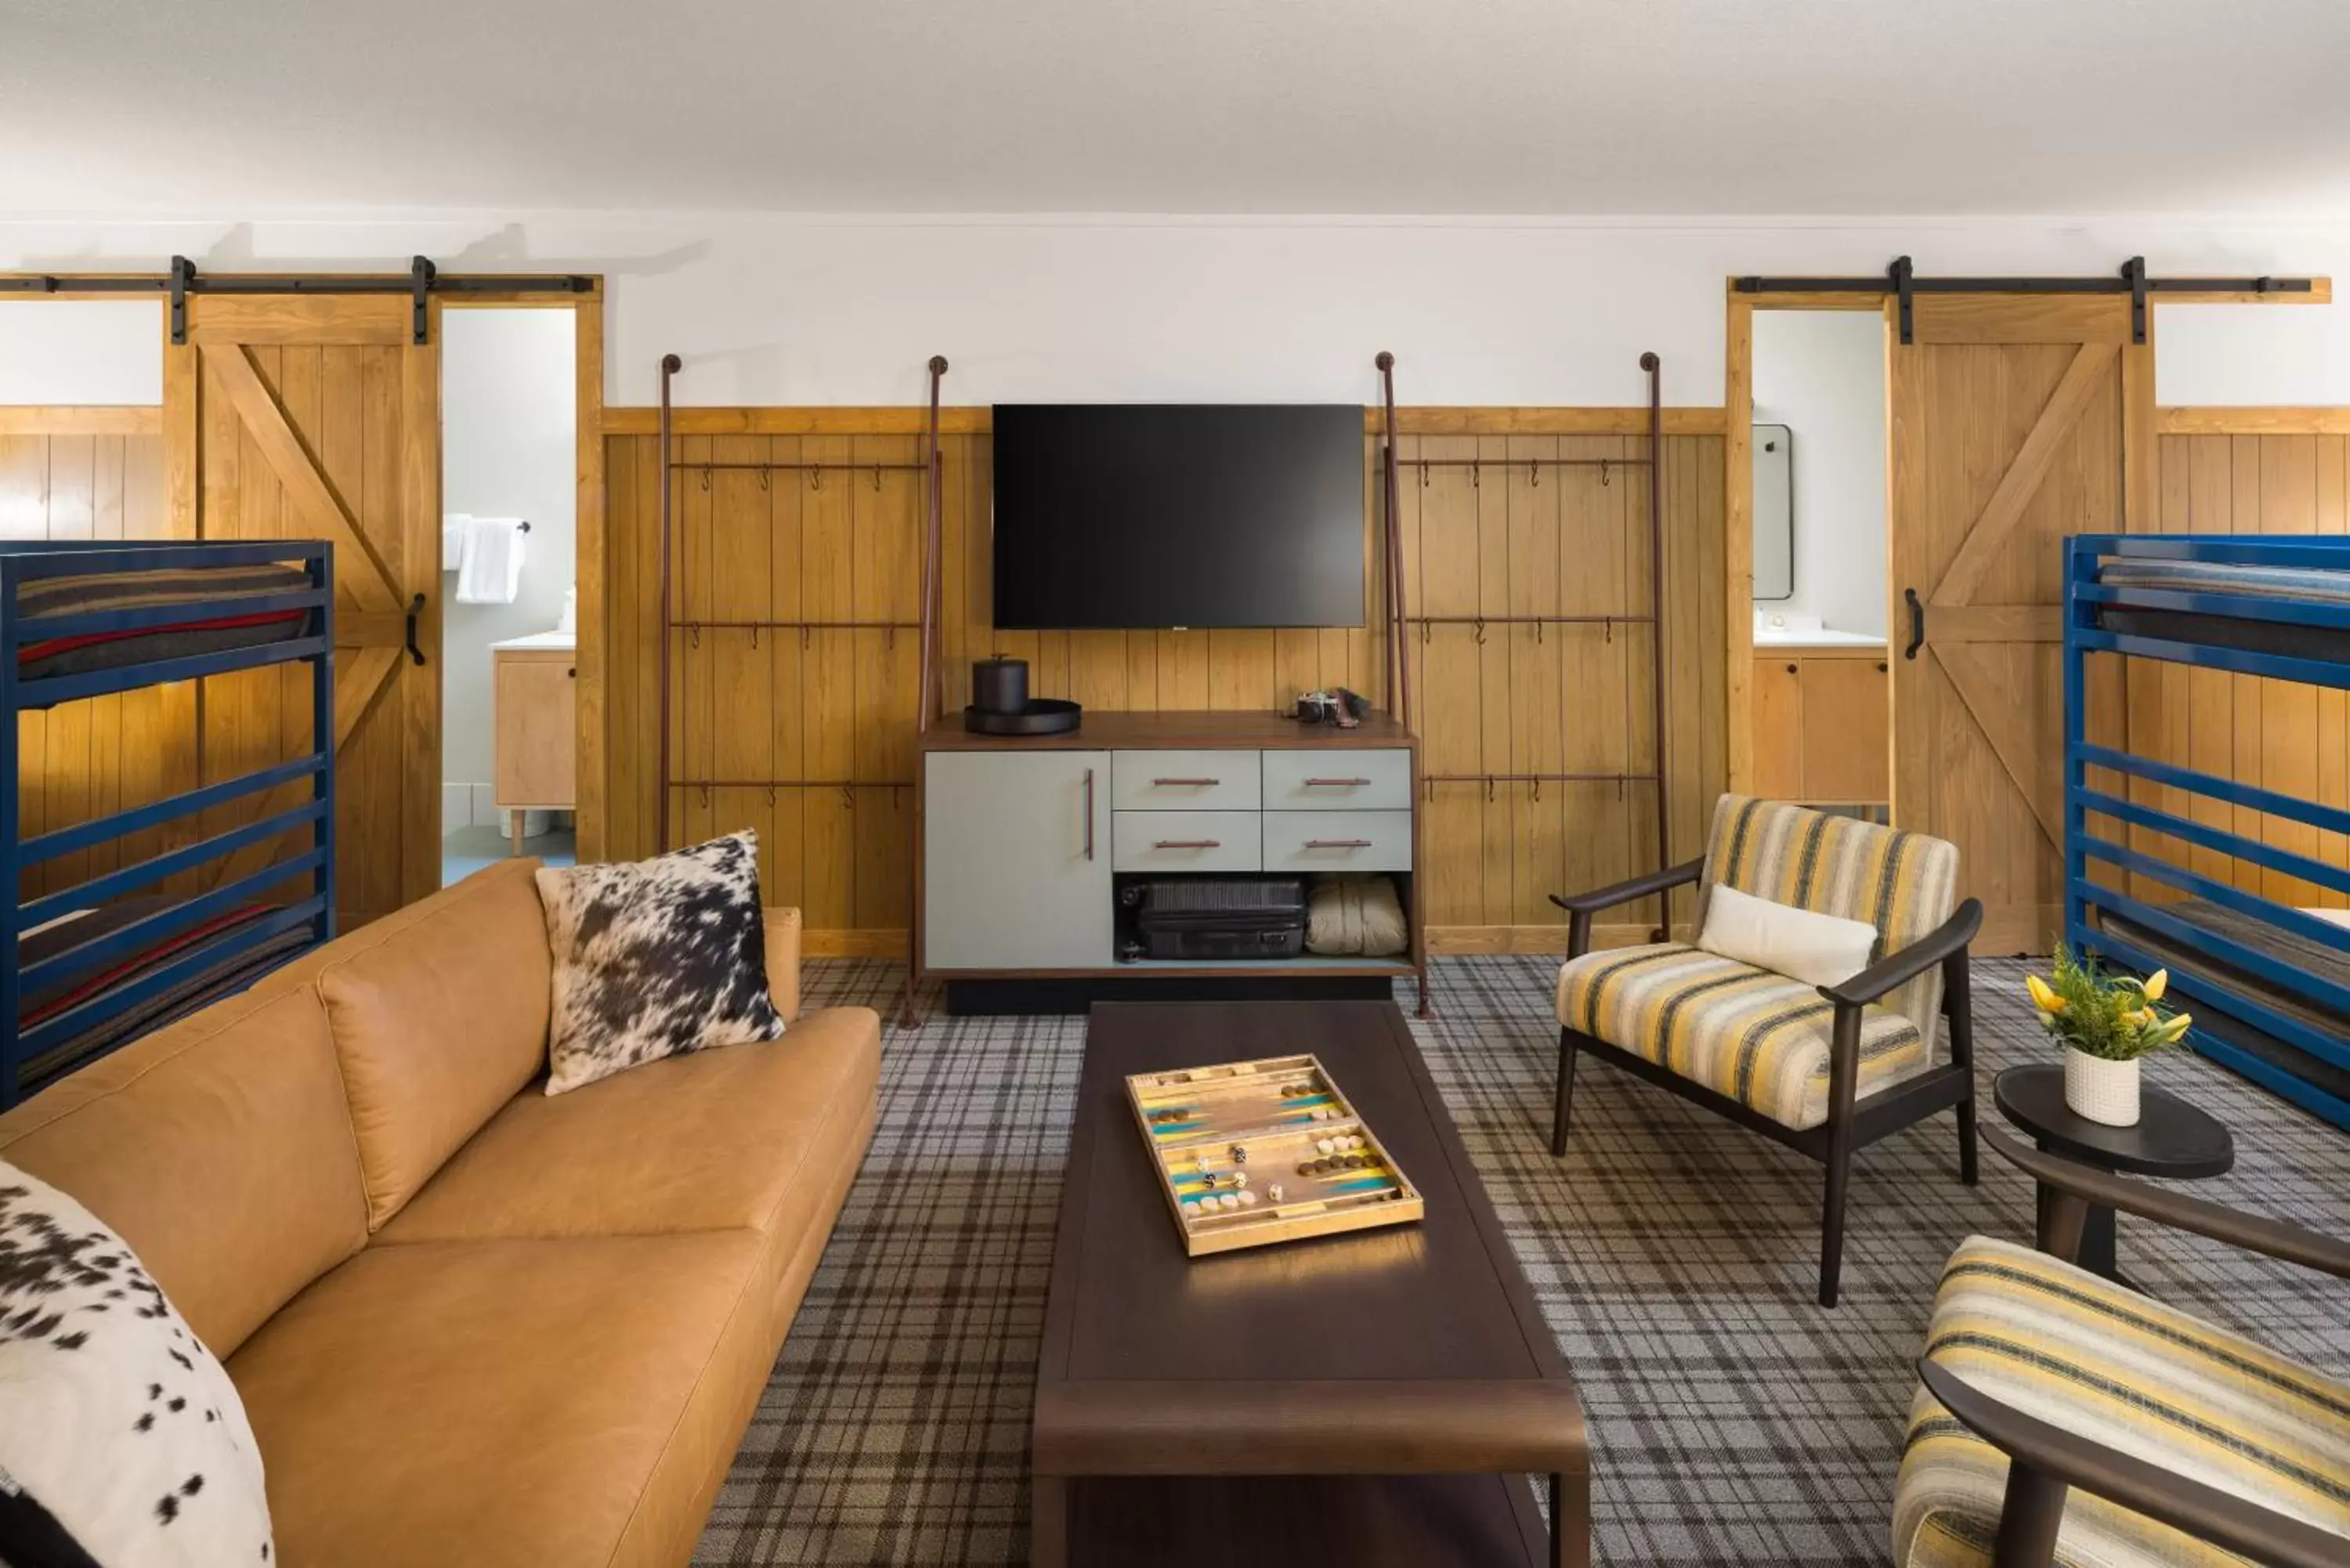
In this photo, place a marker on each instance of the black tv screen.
(1189, 514)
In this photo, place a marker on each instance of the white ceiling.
(257, 107)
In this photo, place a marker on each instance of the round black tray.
(1041, 716)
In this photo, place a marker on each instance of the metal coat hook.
(1538, 633)
(1603, 471)
(1488, 789)
(1480, 631)
(754, 639)
(1423, 476)
(1619, 786)
(877, 479)
(1427, 634)
(763, 482)
(705, 482)
(815, 479)
(1476, 475)
(803, 639)
(848, 798)
(1538, 789)
(1607, 629)
(771, 797)
(694, 636)
(1534, 472)
(705, 794)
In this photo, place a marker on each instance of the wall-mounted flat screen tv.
(1178, 514)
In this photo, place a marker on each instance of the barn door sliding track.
(673, 623)
(420, 283)
(1901, 281)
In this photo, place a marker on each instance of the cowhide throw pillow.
(122, 1443)
(654, 959)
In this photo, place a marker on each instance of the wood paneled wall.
(86, 759)
(836, 705)
(2280, 735)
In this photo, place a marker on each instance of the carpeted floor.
(1735, 1421)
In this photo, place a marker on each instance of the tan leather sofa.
(471, 1324)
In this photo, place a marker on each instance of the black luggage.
(1219, 920)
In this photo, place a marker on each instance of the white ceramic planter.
(2101, 1090)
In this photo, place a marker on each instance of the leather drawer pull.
(1196, 784)
(1337, 844)
(1189, 844)
(1336, 784)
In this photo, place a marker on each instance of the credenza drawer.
(1319, 780)
(1184, 781)
(1337, 840)
(1186, 841)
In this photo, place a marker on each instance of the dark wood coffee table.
(1371, 1398)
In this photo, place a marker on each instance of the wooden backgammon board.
(1252, 1153)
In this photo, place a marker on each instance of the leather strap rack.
(420, 283)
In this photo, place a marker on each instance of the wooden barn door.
(316, 418)
(2016, 420)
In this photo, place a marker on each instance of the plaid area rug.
(1733, 1420)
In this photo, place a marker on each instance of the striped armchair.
(1823, 1069)
(2065, 1419)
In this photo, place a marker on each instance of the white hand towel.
(453, 535)
(491, 573)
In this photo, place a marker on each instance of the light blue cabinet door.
(1016, 860)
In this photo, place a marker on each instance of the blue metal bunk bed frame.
(23, 561)
(2087, 595)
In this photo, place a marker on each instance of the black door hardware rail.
(420, 284)
(1900, 280)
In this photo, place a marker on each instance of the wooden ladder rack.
(672, 623)
(1399, 618)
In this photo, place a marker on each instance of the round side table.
(2172, 1141)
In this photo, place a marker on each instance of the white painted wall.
(508, 437)
(81, 351)
(818, 310)
(1821, 373)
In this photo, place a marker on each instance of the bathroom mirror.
(1774, 511)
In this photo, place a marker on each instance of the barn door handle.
(415, 608)
(1916, 623)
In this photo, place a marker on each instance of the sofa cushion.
(220, 1147)
(494, 1403)
(440, 1018)
(654, 959)
(1758, 1037)
(707, 1141)
(118, 1432)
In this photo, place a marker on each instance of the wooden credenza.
(1823, 726)
(1023, 838)
(534, 695)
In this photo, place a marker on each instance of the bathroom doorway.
(509, 654)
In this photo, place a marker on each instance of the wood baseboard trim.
(880, 944)
(1442, 941)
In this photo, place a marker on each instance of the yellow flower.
(2156, 983)
(2177, 1026)
(2043, 996)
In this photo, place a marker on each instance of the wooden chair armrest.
(1645, 887)
(2226, 1521)
(2279, 1239)
(1895, 969)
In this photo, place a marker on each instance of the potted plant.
(2105, 1022)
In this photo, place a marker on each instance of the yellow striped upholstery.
(1758, 1037)
(2115, 1367)
(1904, 884)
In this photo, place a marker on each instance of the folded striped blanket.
(220, 629)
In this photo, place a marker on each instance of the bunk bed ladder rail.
(2225, 1013)
(87, 963)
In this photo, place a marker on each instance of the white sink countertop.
(539, 643)
(1772, 629)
